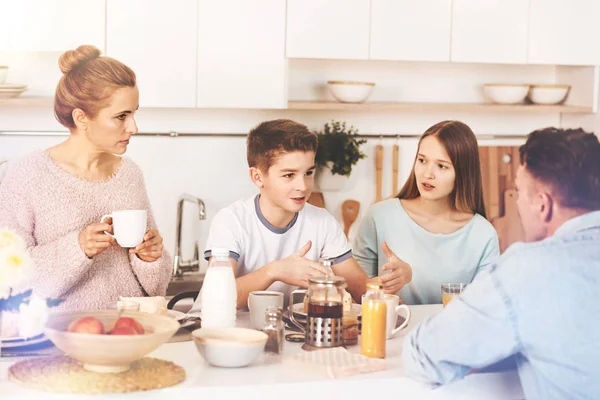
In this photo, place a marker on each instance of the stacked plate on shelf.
(8, 91)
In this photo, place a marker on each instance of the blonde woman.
(55, 198)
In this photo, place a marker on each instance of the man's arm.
(475, 330)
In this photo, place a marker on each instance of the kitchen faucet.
(181, 266)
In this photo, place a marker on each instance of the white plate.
(13, 343)
(7, 94)
(6, 86)
(298, 309)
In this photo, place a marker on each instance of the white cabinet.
(157, 39)
(564, 32)
(412, 30)
(52, 25)
(4, 17)
(334, 29)
(490, 31)
(241, 54)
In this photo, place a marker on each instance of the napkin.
(339, 362)
(150, 305)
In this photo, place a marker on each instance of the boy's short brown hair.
(272, 138)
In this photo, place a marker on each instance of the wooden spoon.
(379, 169)
(350, 209)
(395, 159)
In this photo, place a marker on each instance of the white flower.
(9, 239)
(33, 317)
(16, 267)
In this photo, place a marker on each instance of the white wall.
(215, 169)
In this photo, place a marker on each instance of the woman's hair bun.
(72, 58)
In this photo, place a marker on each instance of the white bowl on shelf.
(350, 91)
(229, 347)
(506, 93)
(548, 94)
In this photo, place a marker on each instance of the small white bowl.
(3, 73)
(548, 94)
(502, 93)
(229, 347)
(350, 91)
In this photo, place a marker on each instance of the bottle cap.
(374, 284)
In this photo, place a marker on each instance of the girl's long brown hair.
(461, 145)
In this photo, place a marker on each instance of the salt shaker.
(274, 328)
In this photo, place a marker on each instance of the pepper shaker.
(275, 329)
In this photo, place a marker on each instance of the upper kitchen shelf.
(391, 106)
(371, 106)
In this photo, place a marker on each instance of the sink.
(186, 283)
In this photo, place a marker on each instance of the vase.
(329, 182)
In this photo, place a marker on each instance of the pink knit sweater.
(49, 207)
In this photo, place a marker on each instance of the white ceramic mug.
(259, 301)
(129, 226)
(393, 311)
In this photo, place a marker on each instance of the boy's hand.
(400, 275)
(295, 269)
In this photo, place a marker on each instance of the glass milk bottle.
(219, 292)
(374, 315)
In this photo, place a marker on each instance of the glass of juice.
(449, 290)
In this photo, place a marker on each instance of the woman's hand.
(93, 240)
(400, 272)
(151, 248)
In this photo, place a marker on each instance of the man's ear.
(80, 119)
(257, 176)
(546, 206)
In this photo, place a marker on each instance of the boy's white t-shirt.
(254, 242)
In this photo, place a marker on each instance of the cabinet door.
(564, 32)
(413, 30)
(335, 29)
(241, 54)
(490, 31)
(54, 25)
(4, 18)
(157, 39)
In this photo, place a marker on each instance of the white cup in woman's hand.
(129, 226)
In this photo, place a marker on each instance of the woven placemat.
(65, 375)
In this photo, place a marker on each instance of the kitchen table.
(270, 378)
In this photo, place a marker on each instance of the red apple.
(126, 322)
(123, 330)
(86, 325)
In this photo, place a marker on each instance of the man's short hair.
(568, 160)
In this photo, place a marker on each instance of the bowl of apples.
(105, 342)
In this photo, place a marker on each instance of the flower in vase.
(16, 265)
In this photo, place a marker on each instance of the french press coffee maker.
(324, 323)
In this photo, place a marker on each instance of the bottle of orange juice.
(374, 314)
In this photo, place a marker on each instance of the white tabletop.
(269, 378)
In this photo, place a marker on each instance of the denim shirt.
(539, 304)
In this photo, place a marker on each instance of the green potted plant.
(338, 151)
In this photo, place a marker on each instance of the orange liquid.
(374, 315)
(447, 297)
